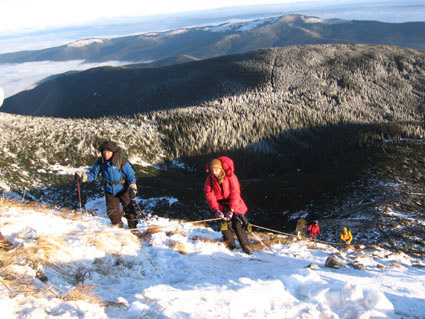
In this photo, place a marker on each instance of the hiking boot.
(230, 246)
(247, 250)
(132, 223)
(119, 225)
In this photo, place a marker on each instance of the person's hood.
(226, 163)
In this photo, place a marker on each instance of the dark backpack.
(119, 158)
(122, 158)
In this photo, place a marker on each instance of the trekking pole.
(79, 195)
(243, 221)
(138, 206)
(258, 239)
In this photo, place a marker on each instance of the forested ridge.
(275, 105)
(320, 131)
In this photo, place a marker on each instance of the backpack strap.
(121, 161)
(118, 159)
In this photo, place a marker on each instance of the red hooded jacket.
(313, 230)
(229, 191)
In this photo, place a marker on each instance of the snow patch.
(149, 277)
(4, 187)
(299, 214)
(66, 170)
(240, 25)
(139, 161)
(83, 43)
(178, 31)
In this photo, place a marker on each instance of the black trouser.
(113, 208)
(234, 226)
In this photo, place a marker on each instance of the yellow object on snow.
(346, 235)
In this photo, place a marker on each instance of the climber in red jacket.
(313, 229)
(223, 194)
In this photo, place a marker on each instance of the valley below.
(327, 132)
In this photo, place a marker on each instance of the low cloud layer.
(1, 96)
(18, 77)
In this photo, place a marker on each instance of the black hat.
(108, 145)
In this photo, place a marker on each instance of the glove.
(243, 220)
(219, 214)
(81, 177)
(133, 190)
(229, 215)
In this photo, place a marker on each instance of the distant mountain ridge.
(364, 77)
(230, 38)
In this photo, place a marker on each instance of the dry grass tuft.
(7, 203)
(156, 229)
(267, 239)
(15, 283)
(45, 250)
(82, 292)
(204, 225)
(22, 266)
(143, 236)
(18, 285)
(173, 232)
(179, 247)
(256, 246)
(350, 247)
(272, 239)
(357, 248)
(103, 240)
(312, 245)
(85, 292)
(5, 245)
(42, 208)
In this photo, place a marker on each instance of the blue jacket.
(112, 175)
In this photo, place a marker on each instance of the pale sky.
(16, 15)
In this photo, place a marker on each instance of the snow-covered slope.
(68, 265)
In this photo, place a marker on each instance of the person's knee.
(114, 215)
